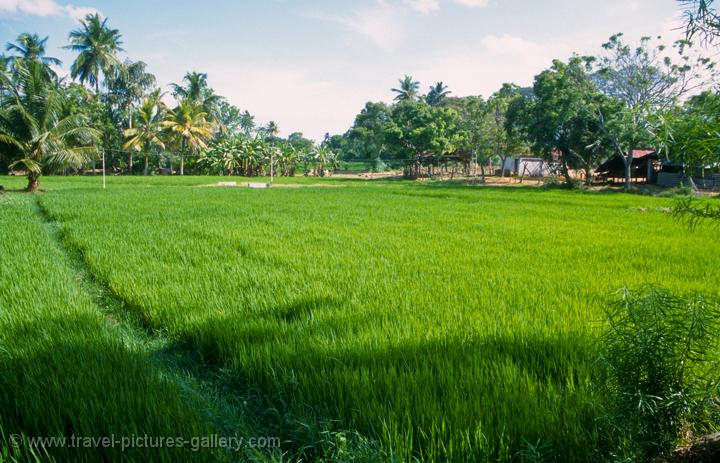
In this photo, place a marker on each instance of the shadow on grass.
(313, 367)
(67, 377)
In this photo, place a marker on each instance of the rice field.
(65, 367)
(389, 320)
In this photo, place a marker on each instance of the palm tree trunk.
(130, 126)
(145, 170)
(33, 182)
(182, 157)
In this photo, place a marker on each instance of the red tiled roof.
(637, 154)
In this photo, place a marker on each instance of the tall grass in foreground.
(450, 324)
(64, 370)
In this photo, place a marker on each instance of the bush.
(660, 353)
(379, 166)
(680, 191)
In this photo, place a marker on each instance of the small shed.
(645, 166)
(526, 166)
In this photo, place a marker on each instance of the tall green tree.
(4, 77)
(408, 89)
(689, 135)
(270, 130)
(564, 116)
(437, 94)
(367, 134)
(35, 127)
(230, 117)
(97, 46)
(189, 129)
(147, 134)
(473, 122)
(196, 89)
(502, 136)
(299, 142)
(247, 123)
(418, 128)
(30, 47)
(646, 80)
(129, 83)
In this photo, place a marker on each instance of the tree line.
(115, 109)
(578, 113)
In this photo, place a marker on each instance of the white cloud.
(382, 23)
(428, 6)
(79, 12)
(44, 8)
(483, 67)
(424, 6)
(472, 3)
(379, 24)
(508, 44)
(297, 99)
(32, 7)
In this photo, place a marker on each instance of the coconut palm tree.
(271, 129)
(195, 88)
(147, 134)
(408, 89)
(247, 123)
(30, 47)
(35, 128)
(4, 65)
(97, 45)
(189, 128)
(437, 94)
(129, 83)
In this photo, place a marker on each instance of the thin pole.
(103, 169)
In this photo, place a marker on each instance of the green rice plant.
(436, 322)
(64, 369)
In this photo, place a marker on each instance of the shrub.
(379, 166)
(661, 357)
(677, 192)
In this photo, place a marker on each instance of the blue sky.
(311, 65)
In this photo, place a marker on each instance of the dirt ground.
(489, 181)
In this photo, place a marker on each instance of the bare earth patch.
(274, 185)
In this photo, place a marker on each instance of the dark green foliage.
(689, 135)
(564, 117)
(367, 135)
(97, 45)
(416, 128)
(661, 352)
